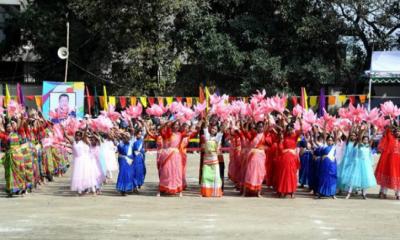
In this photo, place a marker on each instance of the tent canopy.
(385, 62)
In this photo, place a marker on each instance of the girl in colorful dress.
(387, 171)
(211, 184)
(13, 160)
(344, 168)
(362, 174)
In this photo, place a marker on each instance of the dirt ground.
(54, 212)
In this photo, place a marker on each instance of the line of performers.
(27, 162)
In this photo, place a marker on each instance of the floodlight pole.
(66, 60)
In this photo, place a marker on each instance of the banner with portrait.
(63, 99)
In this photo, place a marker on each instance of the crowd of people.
(270, 147)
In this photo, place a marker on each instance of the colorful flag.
(122, 101)
(20, 95)
(7, 97)
(207, 98)
(202, 97)
(105, 98)
(89, 101)
(304, 98)
(151, 100)
(189, 101)
(169, 100)
(143, 100)
(38, 100)
(322, 102)
(133, 101)
(112, 100)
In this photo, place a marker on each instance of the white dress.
(83, 168)
(108, 154)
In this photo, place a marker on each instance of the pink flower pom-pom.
(309, 116)
(259, 96)
(155, 110)
(297, 110)
(200, 107)
(389, 109)
(134, 111)
(175, 107)
(13, 108)
(371, 116)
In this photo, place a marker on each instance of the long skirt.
(305, 168)
(139, 169)
(286, 173)
(327, 177)
(14, 171)
(211, 185)
(170, 171)
(255, 171)
(387, 171)
(83, 174)
(125, 181)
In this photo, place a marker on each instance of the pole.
(369, 103)
(369, 94)
(66, 60)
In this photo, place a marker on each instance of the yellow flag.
(305, 100)
(207, 92)
(7, 97)
(105, 98)
(169, 100)
(342, 99)
(111, 100)
(143, 100)
(313, 101)
(38, 101)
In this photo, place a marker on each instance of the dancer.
(125, 181)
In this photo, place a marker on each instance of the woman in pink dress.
(255, 170)
(169, 160)
(234, 157)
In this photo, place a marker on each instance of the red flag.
(294, 100)
(122, 101)
(89, 101)
(352, 100)
(179, 99)
(202, 97)
(151, 100)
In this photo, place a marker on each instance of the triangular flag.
(143, 100)
(169, 100)
(179, 99)
(38, 100)
(189, 101)
(112, 100)
(352, 100)
(133, 101)
(105, 98)
(363, 98)
(160, 101)
(332, 100)
(30, 98)
(342, 99)
(122, 101)
(313, 101)
(151, 100)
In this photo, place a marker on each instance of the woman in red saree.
(387, 171)
(287, 163)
